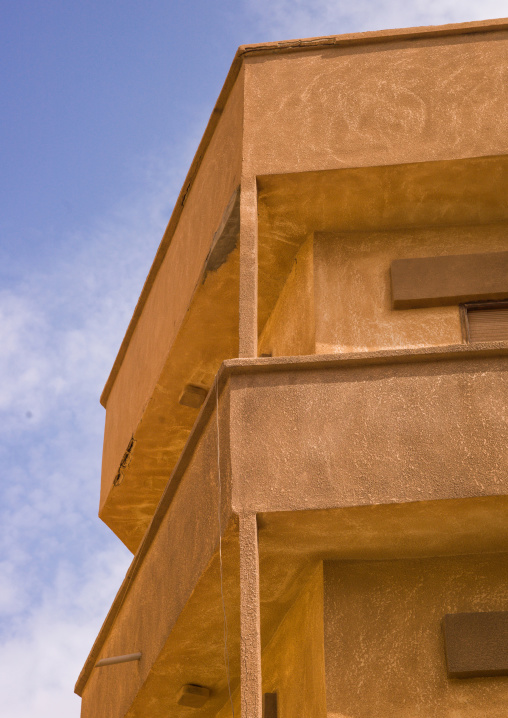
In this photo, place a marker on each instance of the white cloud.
(40, 663)
(59, 332)
(286, 19)
(60, 329)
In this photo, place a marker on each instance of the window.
(485, 321)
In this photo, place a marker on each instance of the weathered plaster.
(389, 446)
(353, 291)
(384, 647)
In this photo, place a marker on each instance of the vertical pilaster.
(250, 626)
(248, 329)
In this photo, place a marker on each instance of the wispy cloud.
(39, 664)
(60, 328)
(285, 19)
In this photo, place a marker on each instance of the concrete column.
(250, 626)
(248, 329)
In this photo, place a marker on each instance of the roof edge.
(374, 36)
(270, 48)
(231, 77)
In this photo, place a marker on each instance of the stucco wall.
(171, 293)
(353, 292)
(384, 649)
(290, 329)
(369, 434)
(293, 661)
(405, 101)
(177, 559)
(337, 297)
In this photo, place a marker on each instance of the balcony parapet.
(308, 438)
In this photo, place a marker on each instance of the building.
(306, 423)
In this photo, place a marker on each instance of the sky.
(102, 106)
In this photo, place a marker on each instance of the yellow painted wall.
(293, 660)
(384, 648)
(353, 292)
(290, 329)
(337, 297)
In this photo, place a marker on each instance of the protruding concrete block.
(449, 279)
(476, 644)
(193, 696)
(193, 396)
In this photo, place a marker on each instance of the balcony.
(346, 459)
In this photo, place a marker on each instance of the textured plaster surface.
(441, 194)
(166, 350)
(193, 652)
(171, 294)
(369, 435)
(353, 293)
(250, 620)
(165, 425)
(408, 101)
(387, 531)
(186, 542)
(384, 647)
(290, 329)
(484, 28)
(248, 309)
(338, 295)
(293, 660)
(179, 559)
(365, 456)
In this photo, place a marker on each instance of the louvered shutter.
(488, 323)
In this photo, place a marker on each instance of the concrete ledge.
(452, 279)
(244, 52)
(252, 368)
(476, 644)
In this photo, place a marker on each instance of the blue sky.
(102, 107)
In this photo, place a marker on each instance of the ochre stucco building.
(306, 424)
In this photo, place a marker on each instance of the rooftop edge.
(270, 48)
